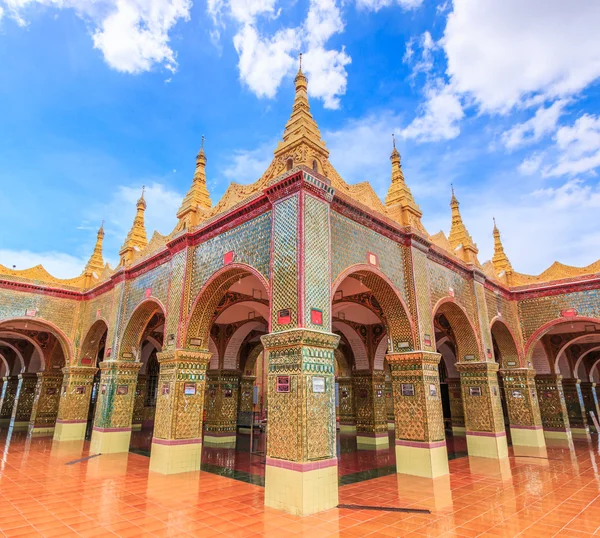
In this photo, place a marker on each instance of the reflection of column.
(553, 409)
(177, 438)
(371, 412)
(420, 440)
(45, 403)
(301, 467)
(24, 401)
(346, 405)
(389, 403)
(590, 401)
(9, 392)
(112, 423)
(575, 408)
(523, 409)
(457, 410)
(138, 403)
(486, 434)
(246, 406)
(74, 403)
(221, 407)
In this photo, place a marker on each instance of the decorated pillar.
(246, 405)
(590, 401)
(553, 408)
(137, 420)
(45, 403)
(371, 410)
(301, 466)
(523, 409)
(420, 439)
(221, 407)
(486, 434)
(9, 393)
(575, 407)
(177, 440)
(74, 404)
(24, 401)
(346, 405)
(389, 402)
(457, 410)
(114, 409)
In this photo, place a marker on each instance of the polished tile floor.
(48, 490)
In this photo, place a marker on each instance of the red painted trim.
(301, 274)
(487, 434)
(61, 421)
(421, 444)
(176, 442)
(302, 467)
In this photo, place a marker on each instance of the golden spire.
(197, 200)
(302, 142)
(500, 259)
(459, 236)
(96, 263)
(136, 238)
(401, 205)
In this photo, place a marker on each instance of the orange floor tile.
(43, 494)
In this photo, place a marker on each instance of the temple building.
(306, 305)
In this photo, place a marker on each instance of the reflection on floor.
(55, 489)
(355, 463)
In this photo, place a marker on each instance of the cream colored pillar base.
(301, 489)
(483, 445)
(41, 431)
(428, 460)
(459, 430)
(69, 431)
(560, 435)
(533, 437)
(347, 428)
(373, 441)
(110, 441)
(171, 457)
(219, 440)
(20, 426)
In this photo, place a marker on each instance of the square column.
(138, 403)
(24, 401)
(553, 408)
(74, 404)
(301, 467)
(221, 407)
(575, 408)
(177, 440)
(245, 403)
(389, 403)
(486, 434)
(523, 408)
(346, 405)
(9, 393)
(114, 409)
(45, 403)
(371, 411)
(420, 439)
(590, 400)
(457, 409)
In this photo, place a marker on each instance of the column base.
(20, 426)
(136, 427)
(4, 422)
(527, 436)
(459, 430)
(428, 460)
(580, 433)
(220, 439)
(347, 428)
(110, 441)
(487, 445)
(41, 431)
(175, 456)
(373, 440)
(70, 430)
(391, 426)
(561, 435)
(301, 489)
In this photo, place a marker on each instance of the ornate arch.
(359, 350)
(129, 348)
(380, 352)
(36, 347)
(230, 357)
(399, 324)
(252, 357)
(507, 344)
(18, 355)
(580, 359)
(544, 329)
(562, 353)
(91, 343)
(464, 334)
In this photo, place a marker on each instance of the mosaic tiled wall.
(551, 398)
(443, 283)
(102, 307)
(157, 281)
(174, 302)
(221, 401)
(499, 306)
(421, 300)
(370, 402)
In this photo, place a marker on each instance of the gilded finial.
(96, 263)
(141, 203)
(394, 140)
(500, 259)
(136, 239)
(300, 62)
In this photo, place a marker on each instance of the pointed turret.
(96, 263)
(500, 259)
(136, 238)
(459, 237)
(401, 205)
(197, 200)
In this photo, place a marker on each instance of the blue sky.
(98, 98)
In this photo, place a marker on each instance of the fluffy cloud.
(376, 5)
(58, 264)
(246, 166)
(133, 35)
(541, 124)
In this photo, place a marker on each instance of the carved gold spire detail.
(500, 259)
(96, 263)
(459, 236)
(136, 238)
(401, 205)
(197, 200)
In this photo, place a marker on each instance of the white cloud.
(327, 74)
(541, 124)
(503, 54)
(531, 164)
(376, 5)
(133, 35)
(58, 264)
(246, 166)
(440, 115)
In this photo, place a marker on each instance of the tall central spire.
(96, 263)
(136, 238)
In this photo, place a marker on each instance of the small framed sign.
(316, 316)
(407, 389)
(372, 258)
(171, 339)
(284, 316)
(469, 357)
(31, 312)
(189, 389)
(122, 390)
(283, 383)
(517, 394)
(195, 341)
(568, 313)
(86, 361)
(489, 353)
(228, 257)
(103, 389)
(80, 389)
(148, 292)
(318, 384)
(165, 389)
(511, 363)
(433, 390)
(475, 391)
(451, 292)
(427, 339)
(404, 345)
(228, 393)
